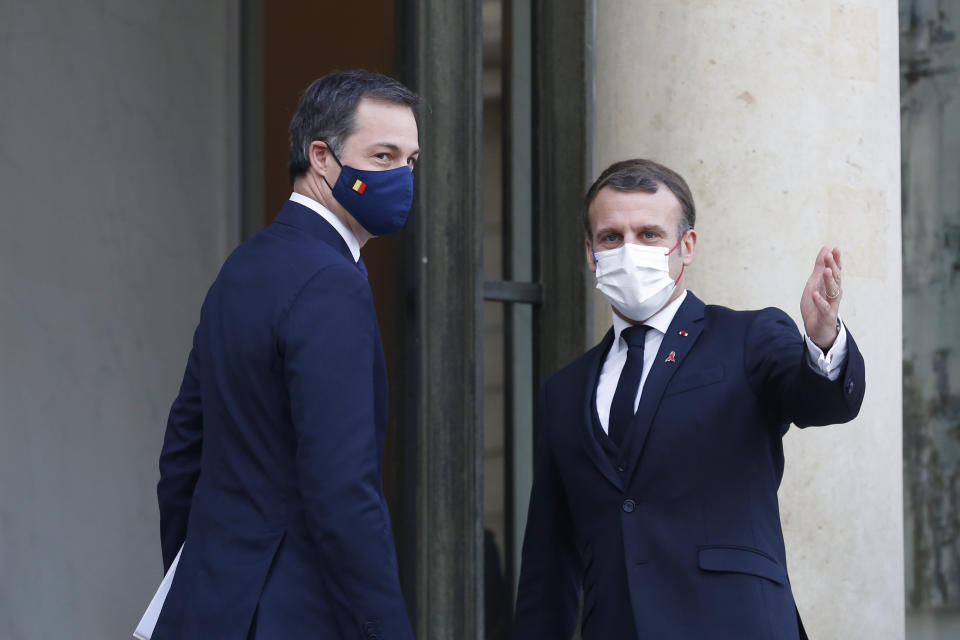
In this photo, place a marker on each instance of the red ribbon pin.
(672, 357)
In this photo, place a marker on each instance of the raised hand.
(820, 302)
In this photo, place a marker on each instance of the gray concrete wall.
(117, 126)
(930, 86)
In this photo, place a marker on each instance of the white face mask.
(636, 279)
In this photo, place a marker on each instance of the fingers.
(821, 260)
(818, 267)
(828, 256)
(831, 262)
(822, 304)
(831, 285)
(828, 264)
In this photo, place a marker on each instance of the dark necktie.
(621, 409)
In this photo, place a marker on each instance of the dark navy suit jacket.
(271, 463)
(678, 537)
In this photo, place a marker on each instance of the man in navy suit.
(659, 451)
(270, 474)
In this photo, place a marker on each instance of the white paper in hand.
(144, 630)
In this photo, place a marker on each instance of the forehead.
(377, 121)
(613, 208)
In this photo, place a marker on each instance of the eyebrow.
(653, 227)
(394, 148)
(604, 231)
(647, 227)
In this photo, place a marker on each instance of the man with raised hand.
(659, 451)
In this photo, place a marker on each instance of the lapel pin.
(672, 357)
(683, 333)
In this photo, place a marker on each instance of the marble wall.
(784, 118)
(118, 133)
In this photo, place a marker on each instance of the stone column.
(784, 118)
(447, 222)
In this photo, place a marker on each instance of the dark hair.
(328, 106)
(647, 176)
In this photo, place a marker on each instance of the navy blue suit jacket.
(679, 537)
(271, 463)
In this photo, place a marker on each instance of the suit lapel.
(677, 343)
(585, 425)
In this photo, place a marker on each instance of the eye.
(383, 156)
(650, 235)
(611, 237)
(412, 163)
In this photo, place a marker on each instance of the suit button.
(850, 387)
(621, 468)
(629, 505)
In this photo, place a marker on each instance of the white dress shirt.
(826, 364)
(352, 243)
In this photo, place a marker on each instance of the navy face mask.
(378, 200)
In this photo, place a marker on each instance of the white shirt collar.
(352, 243)
(660, 320)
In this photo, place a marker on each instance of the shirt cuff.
(828, 364)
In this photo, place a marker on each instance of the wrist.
(825, 341)
(825, 344)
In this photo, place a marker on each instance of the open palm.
(820, 302)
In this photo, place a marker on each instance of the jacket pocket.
(695, 380)
(742, 560)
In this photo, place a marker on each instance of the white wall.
(117, 170)
(784, 118)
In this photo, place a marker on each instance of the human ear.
(320, 158)
(689, 247)
(591, 263)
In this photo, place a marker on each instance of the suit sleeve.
(788, 386)
(180, 460)
(548, 596)
(329, 342)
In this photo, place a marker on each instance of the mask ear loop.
(594, 253)
(335, 158)
(678, 243)
(682, 267)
